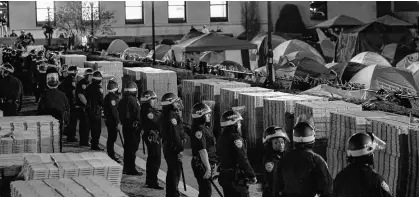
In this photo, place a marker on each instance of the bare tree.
(71, 17)
(250, 18)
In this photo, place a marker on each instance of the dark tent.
(371, 37)
(290, 20)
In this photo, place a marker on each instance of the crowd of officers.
(292, 169)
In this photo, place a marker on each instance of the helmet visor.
(378, 143)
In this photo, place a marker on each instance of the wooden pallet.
(74, 60)
(230, 96)
(66, 187)
(110, 67)
(191, 94)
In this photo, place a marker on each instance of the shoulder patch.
(174, 122)
(385, 186)
(238, 143)
(101, 90)
(74, 84)
(150, 115)
(83, 86)
(198, 134)
(113, 102)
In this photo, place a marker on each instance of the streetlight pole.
(49, 26)
(153, 33)
(270, 53)
(91, 13)
(247, 30)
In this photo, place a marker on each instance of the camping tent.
(370, 58)
(235, 50)
(161, 51)
(371, 37)
(339, 21)
(263, 50)
(117, 46)
(408, 60)
(290, 46)
(377, 77)
(346, 70)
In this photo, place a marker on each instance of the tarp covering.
(331, 92)
(328, 48)
(293, 46)
(370, 37)
(212, 58)
(191, 34)
(389, 51)
(339, 21)
(117, 46)
(370, 58)
(377, 77)
(161, 51)
(408, 60)
(213, 42)
(391, 21)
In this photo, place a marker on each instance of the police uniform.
(173, 139)
(235, 168)
(94, 96)
(10, 92)
(112, 121)
(358, 178)
(129, 115)
(41, 83)
(149, 119)
(68, 87)
(305, 173)
(54, 102)
(202, 138)
(81, 112)
(272, 160)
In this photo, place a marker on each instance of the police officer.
(359, 178)
(68, 86)
(173, 140)
(112, 121)
(53, 102)
(81, 107)
(149, 121)
(41, 83)
(305, 172)
(274, 141)
(203, 148)
(235, 169)
(94, 95)
(10, 91)
(129, 115)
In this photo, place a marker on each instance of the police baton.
(120, 136)
(216, 188)
(183, 175)
(143, 145)
(63, 118)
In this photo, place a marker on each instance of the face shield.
(178, 104)
(377, 143)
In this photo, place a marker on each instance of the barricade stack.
(191, 94)
(74, 59)
(211, 91)
(113, 68)
(70, 165)
(29, 134)
(280, 111)
(157, 80)
(230, 96)
(66, 187)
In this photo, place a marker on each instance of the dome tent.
(370, 58)
(414, 69)
(117, 46)
(293, 46)
(408, 60)
(376, 77)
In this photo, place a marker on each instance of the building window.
(42, 12)
(4, 10)
(87, 10)
(318, 10)
(134, 12)
(218, 11)
(177, 11)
